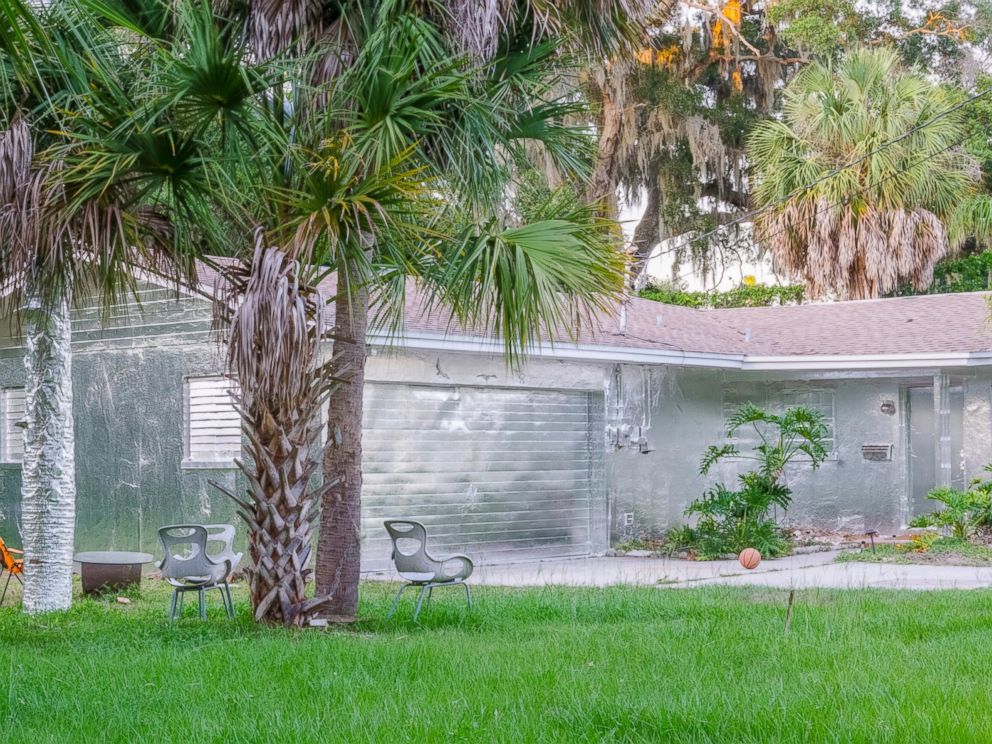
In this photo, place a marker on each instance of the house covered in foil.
(594, 440)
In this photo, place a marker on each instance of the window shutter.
(213, 427)
(11, 430)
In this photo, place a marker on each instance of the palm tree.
(403, 168)
(859, 232)
(388, 136)
(105, 165)
(462, 125)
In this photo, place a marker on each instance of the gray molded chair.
(188, 567)
(223, 534)
(419, 569)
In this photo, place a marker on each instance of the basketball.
(749, 558)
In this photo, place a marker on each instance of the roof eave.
(682, 357)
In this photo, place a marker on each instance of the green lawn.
(622, 664)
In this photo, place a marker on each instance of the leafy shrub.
(746, 295)
(963, 512)
(679, 539)
(923, 543)
(730, 520)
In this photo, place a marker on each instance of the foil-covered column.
(942, 411)
(48, 476)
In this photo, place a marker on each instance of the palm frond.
(530, 284)
(862, 231)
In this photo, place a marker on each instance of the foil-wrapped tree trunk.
(276, 325)
(48, 475)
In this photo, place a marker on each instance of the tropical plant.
(103, 164)
(673, 118)
(729, 521)
(963, 512)
(858, 232)
(374, 141)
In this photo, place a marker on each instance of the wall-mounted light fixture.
(888, 407)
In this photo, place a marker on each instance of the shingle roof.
(951, 323)
(898, 325)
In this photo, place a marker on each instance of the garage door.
(501, 474)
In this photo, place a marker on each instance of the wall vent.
(877, 452)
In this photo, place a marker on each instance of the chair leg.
(203, 605)
(229, 604)
(396, 601)
(430, 593)
(4, 595)
(172, 604)
(468, 595)
(182, 599)
(420, 601)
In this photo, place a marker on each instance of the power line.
(750, 216)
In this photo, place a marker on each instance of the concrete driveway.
(814, 570)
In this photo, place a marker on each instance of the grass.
(590, 665)
(948, 551)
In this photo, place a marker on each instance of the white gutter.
(569, 351)
(680, 357)
(869, 361)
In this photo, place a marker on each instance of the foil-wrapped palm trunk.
(48, 475)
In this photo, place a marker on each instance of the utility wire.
(750, 216)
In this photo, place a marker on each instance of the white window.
(776, 402)
(11, 425)
(746, 437)
(213, 427)
(818, 400)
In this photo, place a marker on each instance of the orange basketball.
(749, 558)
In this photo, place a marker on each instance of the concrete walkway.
(815, 570)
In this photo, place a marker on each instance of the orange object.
(749, 558)
(731, 12)
(13, 566)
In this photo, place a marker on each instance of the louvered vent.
(213, 427)
(11, 424)
(877, 452)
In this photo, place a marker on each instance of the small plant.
(923, 543)
(681, 539)
(731, 520)
(963, 512)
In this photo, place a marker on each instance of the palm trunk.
(280, 513)
(339, 543)
(48, 477)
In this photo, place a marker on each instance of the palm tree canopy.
(117, 149)
(862, 230)
(408, 169)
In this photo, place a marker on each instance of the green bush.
(963, 512)
(730, 520)
(746, 295)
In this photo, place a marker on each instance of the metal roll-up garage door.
(499, 473)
